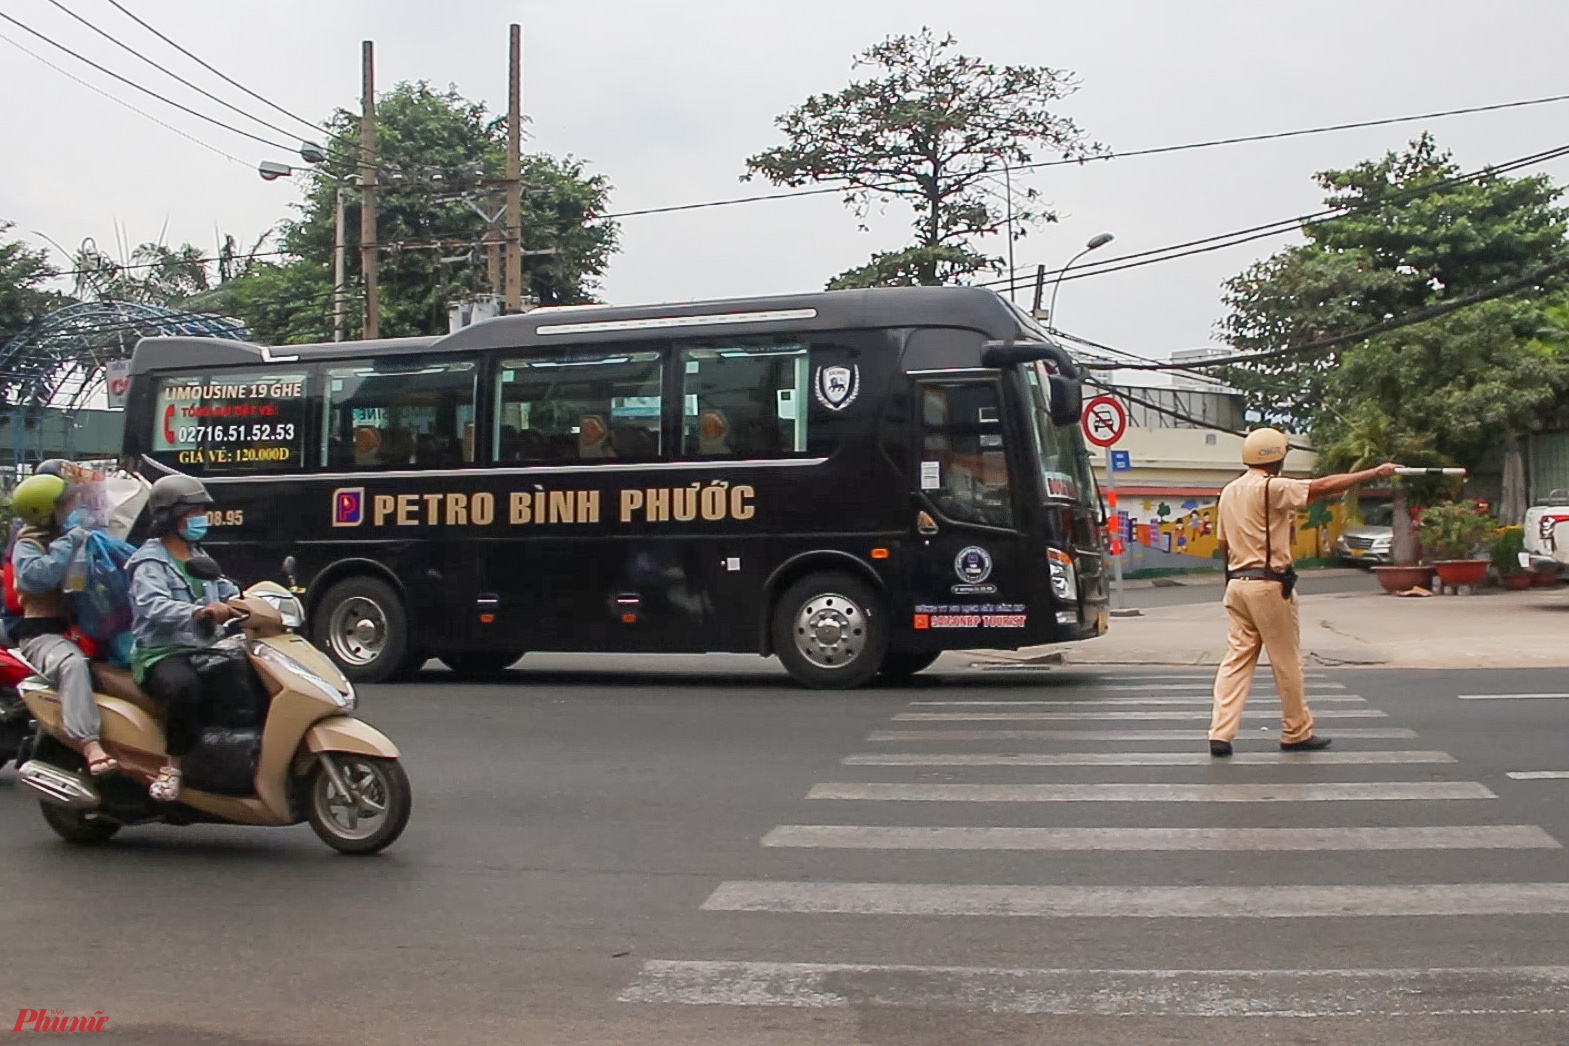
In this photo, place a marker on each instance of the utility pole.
(368, 238)
(339, 263)
(492, 241)
(514, 225)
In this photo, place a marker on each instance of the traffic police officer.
(1255, 524)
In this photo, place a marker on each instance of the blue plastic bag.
(102, 604)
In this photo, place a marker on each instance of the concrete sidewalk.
(1491, 629)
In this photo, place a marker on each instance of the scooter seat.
(118, 682)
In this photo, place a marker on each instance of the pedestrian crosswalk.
(940, 821)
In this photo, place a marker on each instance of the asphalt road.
(601, 857)
(1179, 590)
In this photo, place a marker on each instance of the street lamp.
(271, 171)
(1098, 240)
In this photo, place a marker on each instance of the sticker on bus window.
(931, 475)
(230, 421)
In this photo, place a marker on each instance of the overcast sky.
(668, 99)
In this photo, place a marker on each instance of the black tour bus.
(851, 480)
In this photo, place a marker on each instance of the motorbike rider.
(49, 538)
(173, 616)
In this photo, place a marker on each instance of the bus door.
(966, 575)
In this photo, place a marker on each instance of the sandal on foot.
(102, 764)
(165, 788)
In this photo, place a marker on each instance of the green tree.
(155, 274)
(24, 271)
(1409, 235)
(935, 129)
(436, 153)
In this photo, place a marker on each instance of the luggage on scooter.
(224, 761)
(232, 694)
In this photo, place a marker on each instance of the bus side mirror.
(1067, 401)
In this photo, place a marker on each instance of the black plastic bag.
(223, 762)
(232, 694)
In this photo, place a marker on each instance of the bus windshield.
(1059, 450)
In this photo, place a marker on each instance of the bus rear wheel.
(830, 631)
(360, 623)
(481, 664)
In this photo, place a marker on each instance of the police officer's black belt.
(1259, 574)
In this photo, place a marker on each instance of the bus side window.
(961, 439)
(744, 400)
(418, 415)
(583, 406)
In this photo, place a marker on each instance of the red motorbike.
(15, 720)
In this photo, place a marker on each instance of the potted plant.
(1505, 554)
(1451, 533)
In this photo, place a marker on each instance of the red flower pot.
(1452, 572)
(1515, 582)
(1399, 579)
(1545, 578)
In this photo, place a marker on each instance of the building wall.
(1166, 503)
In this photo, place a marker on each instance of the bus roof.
(974, 308)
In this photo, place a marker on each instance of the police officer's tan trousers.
(1260, 620)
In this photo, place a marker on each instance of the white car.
(1547, 533)
(1369, 541)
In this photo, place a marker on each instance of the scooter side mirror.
(203, 568)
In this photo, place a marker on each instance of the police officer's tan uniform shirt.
(1239, 522)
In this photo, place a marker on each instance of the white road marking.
(1325, 758)
(1328, 713)
(1539, 775)
(1117, 677)
(1128, 993)
(1146, 902)
(1208, 686)
(1324, 791)
(878, 837)
(1507, 697)
(1390, 733)
(1117, 702)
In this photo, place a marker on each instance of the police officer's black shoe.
(1219, 748)
(1311, 744)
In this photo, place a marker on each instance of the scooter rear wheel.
(373, 816)
(80, 827)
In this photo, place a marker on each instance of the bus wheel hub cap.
(830, 630)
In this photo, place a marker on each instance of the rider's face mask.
(194, 528)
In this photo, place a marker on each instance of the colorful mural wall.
(1185, 526)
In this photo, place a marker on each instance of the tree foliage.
(23, 297)
(1410, 233)
(936, 129)
(436, 152)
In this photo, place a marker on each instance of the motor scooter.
(293, 752)
(15, 720)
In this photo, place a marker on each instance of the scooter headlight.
(345, 699)
(287, 606)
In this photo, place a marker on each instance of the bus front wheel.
(830, 631)
(360, 623)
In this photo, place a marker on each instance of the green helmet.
(34, 499)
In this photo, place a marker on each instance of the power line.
(1405, 319)
(145, 90)
(167, 71)
(120, 101)
(1152, 151)
(217, 72)
(1284, 225)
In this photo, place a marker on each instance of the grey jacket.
(162, 601)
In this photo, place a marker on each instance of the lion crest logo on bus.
(837, 386)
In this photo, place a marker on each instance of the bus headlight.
(287, 606)
(1064, 580)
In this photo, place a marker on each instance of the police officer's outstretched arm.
(1328, 486)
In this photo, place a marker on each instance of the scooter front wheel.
(77, 826)
(362, 805)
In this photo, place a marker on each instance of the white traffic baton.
(1404, 470)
